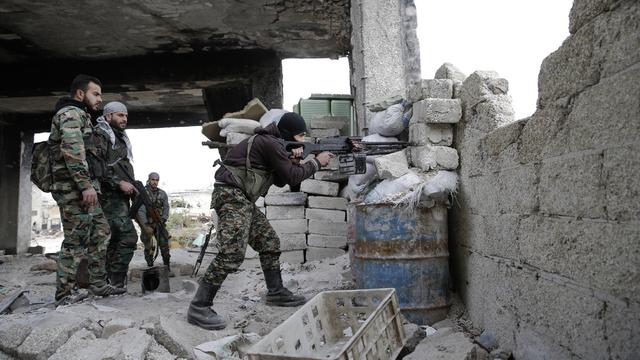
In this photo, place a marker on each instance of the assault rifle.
(351, 150)
(203, 250)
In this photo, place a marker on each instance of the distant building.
(45, 215)
(195, 203)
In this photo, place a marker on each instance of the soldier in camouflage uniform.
(76, 168)
(113, 144)
(160, 202)
(247, 172)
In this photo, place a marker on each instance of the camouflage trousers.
(149, 249)
(86, 233)
(122, 244)
(240, 223)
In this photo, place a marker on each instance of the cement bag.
(386, 188)
(244, 126)
(388, 122)
(357, 183)
(272, 116)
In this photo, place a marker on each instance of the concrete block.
(324, 133)
(293, 241)
(392, 166)
(263, 210)
(325, 202)
(260, 202)
(480, 85)
(431, 134)
(335, 228)
(383, 104)
(622, 323)
(318, 253)
(437, 88)
(431, 157)
(449, 71)
(12, 334)
(330, 175)
(49, 334)
(158, 352)
(291, 198)
(622, 181)
(319, 187)
(178, 336)
(435, 111)
(572, 186)
(449, 347)
(84, 345)
(115, 325)
(292, 226)
(133, 343)
(326, 215)
(328, 122)
(292, 257)
(276, 212)
(326, 241)
(275, 189)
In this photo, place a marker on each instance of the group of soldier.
(93, 187)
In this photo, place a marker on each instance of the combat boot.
(118, 279)
(200, 312)
(106, 290)
(277, 294)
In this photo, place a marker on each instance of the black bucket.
(155, 279)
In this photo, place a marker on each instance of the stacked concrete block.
(327, 229)
(286, 214)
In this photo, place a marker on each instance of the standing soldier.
(114, 146)
(76, 169)
(247, 172)
(160, 202)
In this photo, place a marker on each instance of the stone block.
(572, 186)
(392, 166)
(292, 257)
(622, 323)
(12, 334)
(330, 175)
(133, 343)
(291, 198)
(495, 111)
(275, 212)
(319, 187)
(292, 226)
(449, 347)
(437, 88)
(318, 253)
(622, 182)
(449, 71)
(383, 104)
(326, 215)
(326, 241)
(324, 133)
(290, 242)
(84, 345)
(434, 157)
(276, 189)
(260, 202)
(480, 85)
(178, 336)
(436, 111)
(430, 134)
(115, 325)
(329, 122)
(335, 228)
(326, 202)
(49, 334)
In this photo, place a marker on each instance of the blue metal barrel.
(406, 252)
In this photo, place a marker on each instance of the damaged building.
(532, 253)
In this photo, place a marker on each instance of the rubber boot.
(200, 312)
(106, 290)
(277, 294)
(118, 279)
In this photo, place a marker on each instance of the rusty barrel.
(408, 252)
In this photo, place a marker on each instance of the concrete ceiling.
(39, 30)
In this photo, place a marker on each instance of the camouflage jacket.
(160, 201)
(113, 201)
(71, 139)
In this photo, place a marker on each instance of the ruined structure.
(544, 236)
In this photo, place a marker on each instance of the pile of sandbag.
(237, 126)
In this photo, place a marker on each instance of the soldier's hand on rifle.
(148, 230)
(126, 187)
(297, 152)
(89, 197)
(324, 158)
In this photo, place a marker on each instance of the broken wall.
(545, 229)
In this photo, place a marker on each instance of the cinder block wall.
(545, 232)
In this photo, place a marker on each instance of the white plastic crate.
(345, 325)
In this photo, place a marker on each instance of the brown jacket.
(267, 153)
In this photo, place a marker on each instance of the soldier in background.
(113, 144)
(160, 202)
(76, 168)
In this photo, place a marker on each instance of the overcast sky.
(507, 36)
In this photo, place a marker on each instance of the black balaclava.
(291, 124)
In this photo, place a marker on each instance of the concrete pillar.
(15, 189)
(385, 56)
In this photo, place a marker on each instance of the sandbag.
(245, 126)
(271, 116)
(388, 122)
